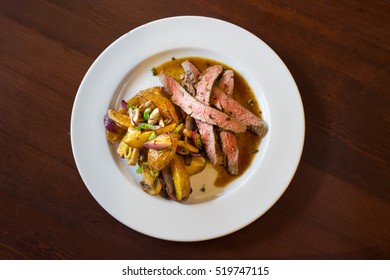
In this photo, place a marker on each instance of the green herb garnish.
(178, 128)
(152, 136)
(147, 126)
(147, 113)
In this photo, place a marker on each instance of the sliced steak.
(207, 131)
(226, 83)
(236, 110)
(228, 139)
(230, 151)
(189, 81)
(190, 71)
(190, 77)
(206, 83)
(197, 109)
(210, 142)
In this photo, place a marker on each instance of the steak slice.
(230, 151)
(190, 77)
(210, 142)
(228, 139)
(190, 83)
(207, 131)
(206, 82)
(236, 110)
(226, 83)
(190, 71)
(197, 109)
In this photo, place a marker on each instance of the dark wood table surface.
(337, 205)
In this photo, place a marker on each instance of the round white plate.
(125, 68)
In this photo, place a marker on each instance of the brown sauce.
(248, 142)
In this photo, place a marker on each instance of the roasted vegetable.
(112, 137)
(194, 136)
(133, 159)
(169, 186)
(153, 139)
(154, 116)
(187, 146)
(109, 124)
(166, 108)
(151, 183)
(161, 150)
(129, 153)
(181, 179)
(136, 138)
(196, 165)
(119, 119)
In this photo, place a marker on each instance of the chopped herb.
(147, 114)
(152, 136)
(128, 152)
(141, 167)
(154, 71)
(253, 151)
(178, 128)
(250, 102)
(203, 189)
(147, 126)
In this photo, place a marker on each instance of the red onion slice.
(109, 124)
(124, 105)
(162, 141)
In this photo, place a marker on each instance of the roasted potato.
(181, 179)
(159, 158)
(119, 119)
(197, 165)
(166, 108)
(112, 137)
(188, 147)
(151, 184)
(136, 138)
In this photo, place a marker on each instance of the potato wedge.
(113, 137)
(136, 138)
(187, 146)
(197, 165)
(167, 128)
(150, 184)
(166, 108)
(181, 179)
(119, 119)
(135, 101)
(122, 149)
(159, 159)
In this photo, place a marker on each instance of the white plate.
(213, 213)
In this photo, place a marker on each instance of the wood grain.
(336, 207)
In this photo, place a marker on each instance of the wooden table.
(336, 207)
